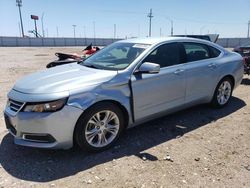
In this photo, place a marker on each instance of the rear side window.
(196, 52)
(166, 55)
(214, 52)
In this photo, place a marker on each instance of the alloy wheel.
(102, 128)
(224, 92)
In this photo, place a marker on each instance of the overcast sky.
(229, 18)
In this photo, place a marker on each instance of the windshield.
(116, 56)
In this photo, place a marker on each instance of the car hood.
(62, 78)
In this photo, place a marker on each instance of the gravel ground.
(197, 147)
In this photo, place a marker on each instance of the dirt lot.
(207, 147)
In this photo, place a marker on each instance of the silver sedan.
(125, 84)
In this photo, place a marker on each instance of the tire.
(223, 93)
(93, 133)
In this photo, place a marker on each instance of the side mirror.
(149, 68)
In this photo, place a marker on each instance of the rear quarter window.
(214, 52)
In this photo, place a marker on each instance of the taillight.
(245, 60)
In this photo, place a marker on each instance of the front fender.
(117, 92)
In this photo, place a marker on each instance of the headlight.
(45, 107)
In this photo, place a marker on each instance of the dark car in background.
(244, 51)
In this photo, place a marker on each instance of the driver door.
(156, 93)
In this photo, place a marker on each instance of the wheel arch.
(118, 104)
(231, 77)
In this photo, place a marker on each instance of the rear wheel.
(223, 93)
(99, 127)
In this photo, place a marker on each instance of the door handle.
(212, 65)
(178, 71)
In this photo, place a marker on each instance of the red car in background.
(72, 58)
(244, 51)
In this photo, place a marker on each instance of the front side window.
(166, 55)
(117, 56)
(196, 52)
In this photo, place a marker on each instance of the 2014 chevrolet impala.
(127, 83)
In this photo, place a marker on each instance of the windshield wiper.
(91, 66)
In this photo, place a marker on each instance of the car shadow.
(47, 165)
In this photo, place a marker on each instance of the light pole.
(172, 26)
(201, 29)
(248, 30)
(94, 31)
(150, 16)
(74, 28)
(114, 31)
(20, 32)
(84, 31)
(57, 31)
(35, 18)
(19, 4)
(139, 30)
(42, 25)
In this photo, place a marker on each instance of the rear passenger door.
(201, 71)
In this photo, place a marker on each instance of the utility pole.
(94, 32)
(139, 30)
(172, 28)
(57, 31)
(94, 29)
(74, 28)
(84, 31)
(114, 31)
(20, 32)
(19, 4)
(201, 29)
(42, 25)
(248, 29)
(150, 16)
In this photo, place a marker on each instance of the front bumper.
(43, 130)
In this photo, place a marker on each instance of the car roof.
(154, 40)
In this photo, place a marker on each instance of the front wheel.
(99, 127)
(223, 93)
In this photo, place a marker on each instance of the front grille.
(15, 106)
